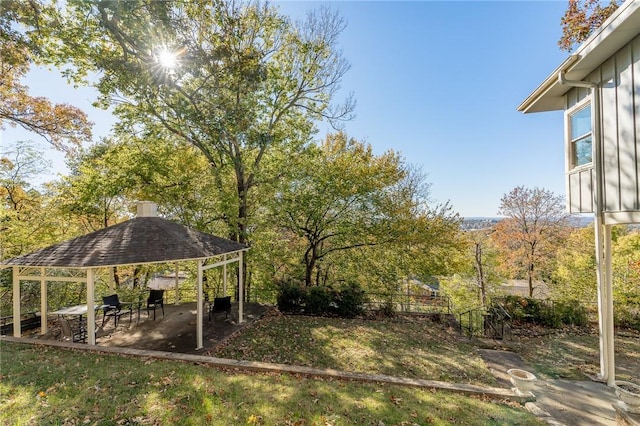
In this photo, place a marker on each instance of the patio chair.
(73, 330)
(220, 304)
(156, 299)
(112, 307)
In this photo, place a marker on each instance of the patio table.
(75, 310)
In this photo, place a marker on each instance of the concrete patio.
(173, 332)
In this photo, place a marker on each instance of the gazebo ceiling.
(136, 241)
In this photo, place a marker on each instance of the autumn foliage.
(62, 125)
(581, 19)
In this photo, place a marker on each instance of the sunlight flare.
(167, 58)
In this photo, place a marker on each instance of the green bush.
(627, 316)
(324, 301)
(291, 298)
(549, 314)
(571, 312)
(516, 307)
(350, 301)
(318, 300)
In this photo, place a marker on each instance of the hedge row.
(554, 315)
(323, 301)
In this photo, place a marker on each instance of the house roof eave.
(620, 28)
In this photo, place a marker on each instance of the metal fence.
(408, 303)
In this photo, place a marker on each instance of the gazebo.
(145, 239)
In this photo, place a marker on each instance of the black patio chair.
(220, 304)
(112, 307)
(155, 300)
(73, 330)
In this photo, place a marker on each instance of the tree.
(62, 125)
(535, 223)
(581, 19)
(24, 223)
(339, 200)
(246, 89)
(574, 276)
(575, 273)
(484, 262)
(626, 278)
(354, 216)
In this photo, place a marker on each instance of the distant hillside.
(477, 223)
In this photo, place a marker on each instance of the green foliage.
(547, 313)
(291, 297)
(571, 312)
(462, 291)
(247, 87)
(317, 300)
(348, 302)
(574, 275)
(350, 215)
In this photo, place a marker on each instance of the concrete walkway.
(558, 402)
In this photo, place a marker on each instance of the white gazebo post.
(199, 314)
(91, 312)
(17, 332)
(224, 276)
(112, 279)
(43, 302)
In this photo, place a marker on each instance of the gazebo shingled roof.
(136, 241)
(144, 239)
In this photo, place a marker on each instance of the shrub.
(523, 309)
(627, 316)
(387, 309)
(571, 312)
(294, 298)
(318, 300)
(350, 301)
(291, 298)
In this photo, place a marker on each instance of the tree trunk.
(310, 260)
(480, 274)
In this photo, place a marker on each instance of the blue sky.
(438, 82)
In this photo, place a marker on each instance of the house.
(521, 288)
(598, 88)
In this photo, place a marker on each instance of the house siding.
(619, 79)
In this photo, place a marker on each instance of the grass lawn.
(408, 347)
(575, 354)
(417, 347)
(41, 386)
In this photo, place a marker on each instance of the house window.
(580, 136)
